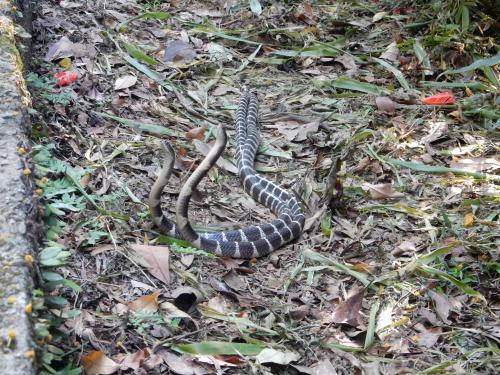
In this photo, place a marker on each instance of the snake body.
(249, 242)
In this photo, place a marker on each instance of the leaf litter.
(398, 264)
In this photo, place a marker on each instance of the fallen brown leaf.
(348, 312)
(157, 259)
(97, 363)
(135, 360)
(147, 303)
(204, 149)
(385, 104)
(182, 365)
(441, 305)
(196, 133)
(382, 191)
(179, 52)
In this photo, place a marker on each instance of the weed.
(152, 5)
(45, 88)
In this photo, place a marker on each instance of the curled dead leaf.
(147, 303)
(135, 360)
(179, 52)
(385, 104)
(196, 133)
(348, 312)
(60, 49)
(125, 82)
(97, 363)
(382, 191)
(299, 313)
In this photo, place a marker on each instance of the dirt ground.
(396, 271)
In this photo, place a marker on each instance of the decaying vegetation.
(382, 116)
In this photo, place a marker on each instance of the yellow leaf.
(66, 63)
(468, 220)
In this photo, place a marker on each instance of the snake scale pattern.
(249, 242)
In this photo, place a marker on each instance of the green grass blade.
(490, 74)
(312, 255)
(219, 347)
(473, 85)
(318, 50)
(370, 332)
(439, 169)
(396, 72)
(156, 15)
(354, 85)
(136, 53)
(344, 348)
(444, 276)
(241, 322)
(495, 60)
(148, 128)
(422, 56)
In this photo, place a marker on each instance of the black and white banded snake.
(249, 242)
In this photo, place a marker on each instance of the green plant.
(59, 196)
(143, 321)
(45, 88)
(152, 5)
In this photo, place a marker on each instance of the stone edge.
(18, 236)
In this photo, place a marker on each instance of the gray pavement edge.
(17, 205)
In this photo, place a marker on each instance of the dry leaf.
(299, 313)
(179, 52)
(385, 104)
(157, 259)
(391, 53)
(125, 82)
(382, 191)
(60, 49)
(363, 267)
(204, 149)
(427, 337)
(476, 164)
(182, 365)
(347, 312)
(196, 133)
(96, 363)
(269, 355)
(349, 64)
(468, 220)
(70, 4)
(436, 131)
(169, 311)
(294, 130)
(135, 360)
(384, 319)
(441, 305)
(323, 367)
(147, 303)
(223, 90)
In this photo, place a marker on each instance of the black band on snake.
(249, 242)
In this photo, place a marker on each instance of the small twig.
(333, 189)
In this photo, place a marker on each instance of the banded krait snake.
(249, 242)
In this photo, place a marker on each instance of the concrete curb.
(17, 207)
